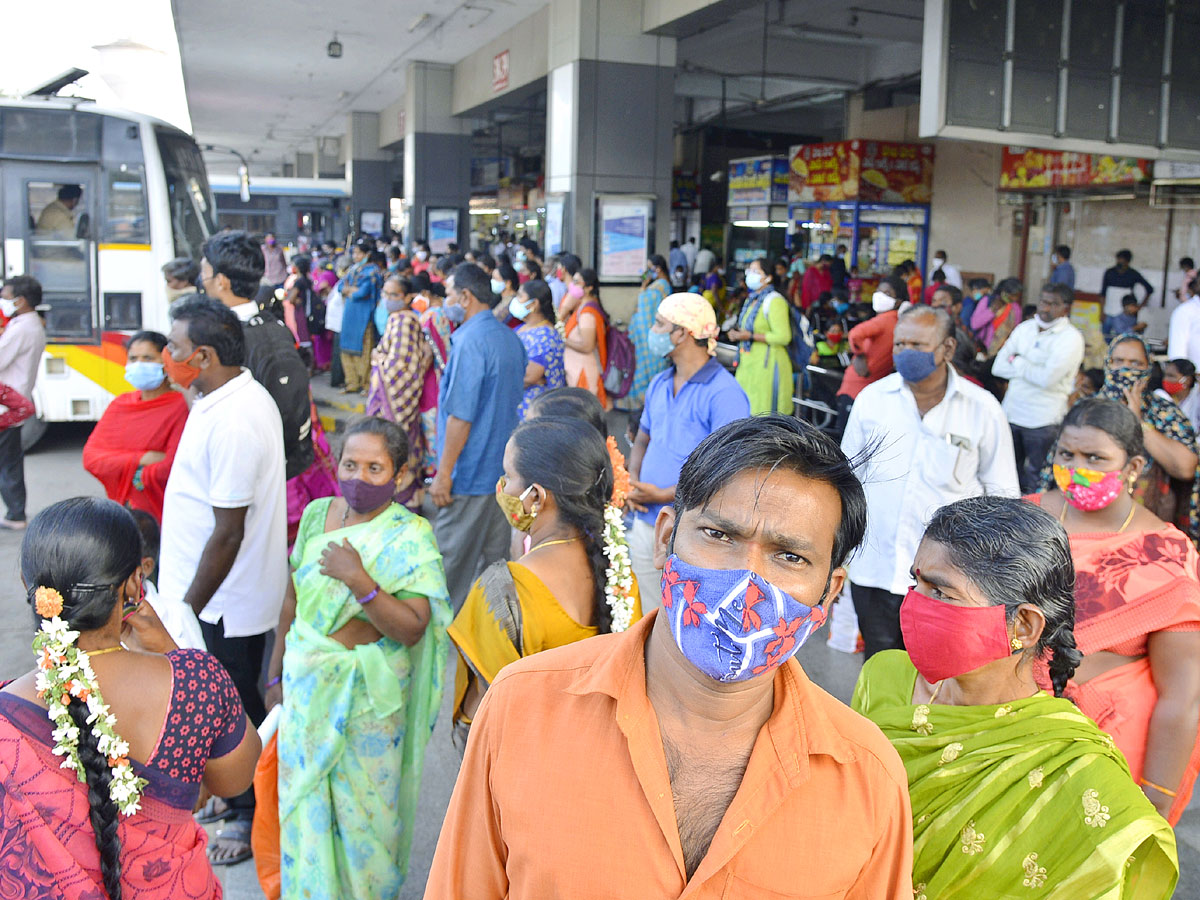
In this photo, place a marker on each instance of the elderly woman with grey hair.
(1013, 790)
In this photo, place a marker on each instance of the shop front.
(871, 196)
(757, 209)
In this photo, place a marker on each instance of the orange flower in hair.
(620, 473)
(48, 602)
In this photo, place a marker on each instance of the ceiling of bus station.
(258, 78)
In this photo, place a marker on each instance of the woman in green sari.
(362, 668)
(1014, 792)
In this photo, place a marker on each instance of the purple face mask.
(363, 497)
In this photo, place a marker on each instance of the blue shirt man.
(683, 406)
(481, 387)
(677, 258)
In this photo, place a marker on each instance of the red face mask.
(1173, 387)
(180, 372)
(945, 641)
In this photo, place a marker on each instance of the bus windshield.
(187, 192)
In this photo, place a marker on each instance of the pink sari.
(317, 481)
(47, 848)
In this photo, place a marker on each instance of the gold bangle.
(1159, 788)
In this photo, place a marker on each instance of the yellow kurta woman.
(764, 331)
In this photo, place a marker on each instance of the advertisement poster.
(870, 171)
(1086, 316)
(759, 179)
(624, 237)
(371, 222)
(1024, 169)
(442, 229)
(685, 190)
(553, 238)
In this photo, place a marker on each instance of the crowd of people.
(255, 630)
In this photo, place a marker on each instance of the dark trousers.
(12, 473)
(1031, 447)
(878, 614)
(242, 658)
(337, 375)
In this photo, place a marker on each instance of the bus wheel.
(31, 432)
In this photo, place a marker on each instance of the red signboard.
(499, 71)
(1023, 169)
(872, 171)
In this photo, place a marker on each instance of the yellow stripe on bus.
(124, 246)
(104, 372)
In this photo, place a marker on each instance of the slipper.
(210, 813)
(236, 832)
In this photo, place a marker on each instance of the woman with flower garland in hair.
(574, 582)
(1015, 792)
(104, 748)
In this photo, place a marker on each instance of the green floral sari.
(1026, 799)
(355, 722)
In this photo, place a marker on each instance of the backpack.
(275, 363)
(622, 361)
(802, 345)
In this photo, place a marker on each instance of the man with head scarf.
(684, 404)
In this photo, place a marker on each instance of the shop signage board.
(685, 190)
(758, 179)
(1030, 169)
(868, 171)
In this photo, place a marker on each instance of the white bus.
(143, 199)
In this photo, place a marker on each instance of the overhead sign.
(759, 179)
(870, 171)
(1027, 169)
(499, 71)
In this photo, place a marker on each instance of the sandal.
(211, 813)
(233, 836)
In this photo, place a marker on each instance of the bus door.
(49, 218)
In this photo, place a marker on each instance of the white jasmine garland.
(65, 672)
(618, 581)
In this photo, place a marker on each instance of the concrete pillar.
(437, 150)
(367, 167)
(610, 96)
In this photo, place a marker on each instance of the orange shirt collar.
(798, 727)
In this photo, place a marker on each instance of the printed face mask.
(1125, 377)
(1086, 489)
(514, 507)
(945, 641)
(733, 624)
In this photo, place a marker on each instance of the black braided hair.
(568, 457)
(1016, 553)
(85, 549)
(103, 811)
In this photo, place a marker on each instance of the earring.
(1016, 644)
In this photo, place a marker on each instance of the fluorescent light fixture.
(485, 212)
(531, 221)
(751, 223)
(779, 224)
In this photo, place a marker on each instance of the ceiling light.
(334, 48)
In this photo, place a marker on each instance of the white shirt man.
(1040, 359)
(230, 456)
(938, 438)
(703, 262)
(689, 251)
(1183, 333)
(953, 272)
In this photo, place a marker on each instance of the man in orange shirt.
(690, 756)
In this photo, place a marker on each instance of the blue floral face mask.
(733, 624)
